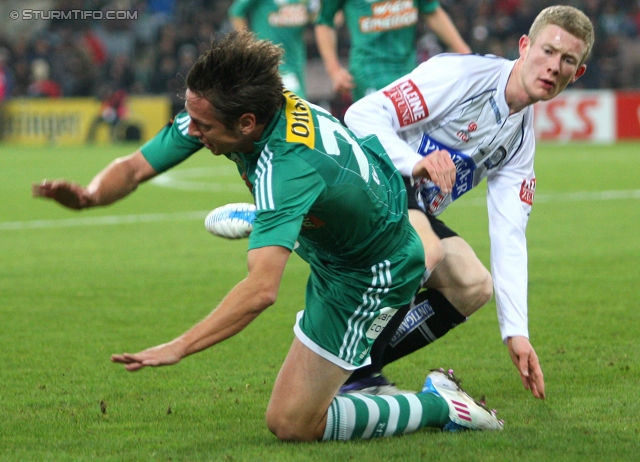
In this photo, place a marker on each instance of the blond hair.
(568, 18)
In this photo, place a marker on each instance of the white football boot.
(465, 412)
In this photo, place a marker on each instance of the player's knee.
(484, 290)
(287, 429)
(475, 294)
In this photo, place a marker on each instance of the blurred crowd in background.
(153, 53)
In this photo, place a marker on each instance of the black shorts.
(441, 230)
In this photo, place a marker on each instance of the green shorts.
(347, 308)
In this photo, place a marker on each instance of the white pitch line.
(107, 220)
(179, 216)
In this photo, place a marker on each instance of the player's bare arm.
(526, 361)
(327, 42)
(243, 304)
(116, 181)
(440, 23)
(439, 168)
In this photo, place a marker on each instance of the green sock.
(356, 415)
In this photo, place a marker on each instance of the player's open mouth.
(547, 84)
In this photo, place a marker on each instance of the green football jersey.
(339, 202)
(313, 182)
(340, 198)
(282, 22)
(383, 38)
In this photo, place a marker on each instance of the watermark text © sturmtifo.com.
(28, 15)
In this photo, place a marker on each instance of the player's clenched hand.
(342, 80)
(439, 168)
(526, 360)
(70, 195)
(161, 355)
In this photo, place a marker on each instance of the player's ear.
(579, 73)
(523, 45)
(247, 123)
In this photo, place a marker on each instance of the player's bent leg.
(303, 405)
(303, 391)
(458, 286)
(461, 277)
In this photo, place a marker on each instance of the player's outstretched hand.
(70, 195)
(439, 168)
(161, 355)
(526, 360)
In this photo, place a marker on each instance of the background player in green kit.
(383, 40)
(282, 22)
(341, 199)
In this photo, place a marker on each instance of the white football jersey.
(457, 103)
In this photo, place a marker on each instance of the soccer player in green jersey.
(340, 199)
(283, 23)
(383, 40)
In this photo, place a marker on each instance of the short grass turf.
(76, 287)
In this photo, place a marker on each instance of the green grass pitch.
(76, 287)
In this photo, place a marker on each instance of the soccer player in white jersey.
(470, 117)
